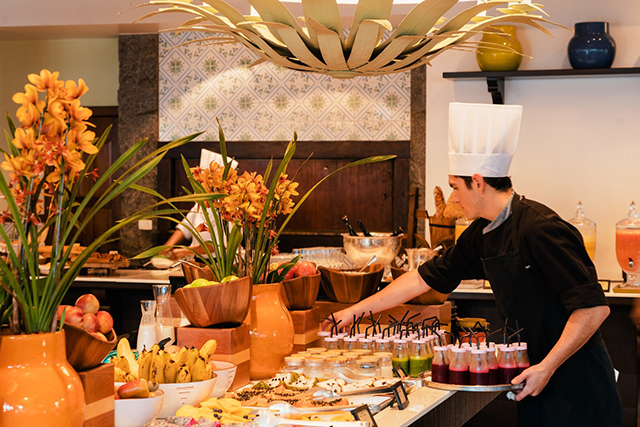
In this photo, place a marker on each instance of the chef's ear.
(477, 182)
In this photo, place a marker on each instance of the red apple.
(73, 316)
(291, 273)
(305, 268)
(61, 309)
(105, 321)
(134, 389)
(88, 303)
(90, 322)
(99, 335)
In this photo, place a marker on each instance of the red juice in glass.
(493, 376)
(440, 373)
(522, 358)
(628, 249)
(478, 367)
(459, 367)
(458, 377)
(508, 366)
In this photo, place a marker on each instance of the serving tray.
(475, 388)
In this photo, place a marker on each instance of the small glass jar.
(365, 344)
(522, 358)
(314, 367)
(316, 350)
(507, 365)
(382, 345)
(331, 343)
(400, 355)
(384, 361)
(334, 365)
(492, 363)
(322, 335)
(294, 364)
(351, 360)
(459, 367)
(440, 365)
(417, 358)
(350, 343)
(478, 367)
(367, 367)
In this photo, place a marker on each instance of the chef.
(539, 270)
(194, 220)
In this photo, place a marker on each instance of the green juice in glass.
(418, 364)
(402, 362)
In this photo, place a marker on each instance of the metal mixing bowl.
(360, 249)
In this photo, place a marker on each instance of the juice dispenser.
(628, 247)
(587, 228)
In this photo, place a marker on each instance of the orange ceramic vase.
(271, 331)
(38, 387)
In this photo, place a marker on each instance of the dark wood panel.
(375, 193)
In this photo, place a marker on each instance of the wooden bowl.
(85, 351)
(397, 272)
(195, 270)
(301, 293)
(215, 304)
(341, 286)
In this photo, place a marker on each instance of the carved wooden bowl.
(348, 286)
(301, 293)
(86, 351)
(216, 304)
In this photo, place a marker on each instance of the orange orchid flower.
(46, 80)
(30, 95)
(75, 91)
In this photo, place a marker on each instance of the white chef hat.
(206, 157)
(482, 138)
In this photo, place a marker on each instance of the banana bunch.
(155, 365)
(214, 409)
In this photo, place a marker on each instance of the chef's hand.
(343, 316)
(536, 377)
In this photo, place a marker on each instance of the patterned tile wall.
(199, 82)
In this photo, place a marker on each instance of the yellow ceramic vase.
(500, 58)
(271, 331)
(38, 387)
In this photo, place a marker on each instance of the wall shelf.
(495, 79)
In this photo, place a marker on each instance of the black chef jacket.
(560, 278)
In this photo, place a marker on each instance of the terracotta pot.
(271, 331)
(216, 304)
(38, 384)
(301, 293)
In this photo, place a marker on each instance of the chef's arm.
(581, 326)
(401, 290)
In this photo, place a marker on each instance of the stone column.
(138, 119)
(418, 142)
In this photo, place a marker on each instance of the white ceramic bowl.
(137, 412)
(180, 394)
(177, 395)
(226, 372)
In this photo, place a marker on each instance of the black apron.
(582, 392)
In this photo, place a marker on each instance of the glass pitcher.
(147, 334)
(164, 319)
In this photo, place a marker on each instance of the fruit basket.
(84, 350)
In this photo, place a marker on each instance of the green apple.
(199, 283)
(229, 279)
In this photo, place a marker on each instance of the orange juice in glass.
(461, 225)
(628, 247)
(587, 229)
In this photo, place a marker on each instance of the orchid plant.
(243, 212)
(50, 154)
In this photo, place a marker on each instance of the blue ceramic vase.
(591, 46)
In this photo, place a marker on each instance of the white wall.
(94, 60)
(580, 137)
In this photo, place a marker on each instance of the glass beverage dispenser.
(587, 228)
(628, 248)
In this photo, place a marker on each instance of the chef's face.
(468, 198)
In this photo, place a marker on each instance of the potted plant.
(51, 152)
(242, 220)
